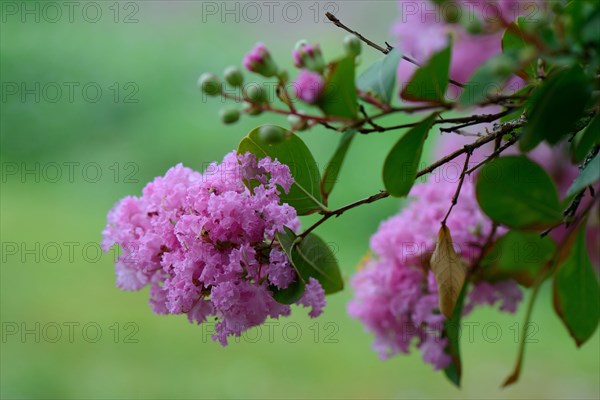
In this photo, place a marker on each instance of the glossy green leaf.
(312, 257)
(576, 292)
(589, 138)
(518, 193)
(519, 256)
(334, 166)
(555, 107)
(304, 195)
(430, 81)
(587, 176)
(489, 80)
(289, 295)
(380, 78)
(401, 164)
(339, 98)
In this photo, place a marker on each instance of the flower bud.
(210, 84)
(256, 94)
(309, 57)
(297, 123)
(259, 60)
(352, 45)
(309, 86)
(271, 134)
(233, 76)
(229, 115)
(252, 109)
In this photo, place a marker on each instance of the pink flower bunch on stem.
(395, 293)
(206, 246)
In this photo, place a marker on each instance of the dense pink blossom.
(308, 86)
(396, 295)
(204, 243)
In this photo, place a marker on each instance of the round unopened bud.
(256, 94)
(474, 26)
(271, 134)
(297, 123)
(252, 109)
(352, 45)
(210, 84)
(229, 115)
(283, 75)
(233, 76)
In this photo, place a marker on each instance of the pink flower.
(205, 244)
(309, 56)
(309, 86)
(396, 296)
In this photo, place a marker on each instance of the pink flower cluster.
(396, 295)
(423, 30)
(205, 243)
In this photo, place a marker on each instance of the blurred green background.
(67, 157)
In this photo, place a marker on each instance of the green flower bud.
(233, 76)
(252, 109)
(283, 75)
(256, 94)
(229, 115)
(297, 123)
(352, 45)
(210, 84)
(271, 134)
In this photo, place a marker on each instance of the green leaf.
(289, 295)
(304, 195)
(555, 107)
(312, 257)
(519, 256)
(334, 166)
(452, 331)
(400, 167)
(339, 98)
(430, 81)
(518, 193)
(576, 292)
(380, 77)
(588, 139)
(587, 176)
(488, 80)
(513, 40)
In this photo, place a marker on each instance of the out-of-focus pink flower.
(396, 296)
(422, 30)
(308, 86)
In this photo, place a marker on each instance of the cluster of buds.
(308, 86)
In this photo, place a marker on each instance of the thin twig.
(459, 187)
(384, 50)
(501, 129)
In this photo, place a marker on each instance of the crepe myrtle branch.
(384, 50)
(463, 174)
(569, 214)
(499, 131)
